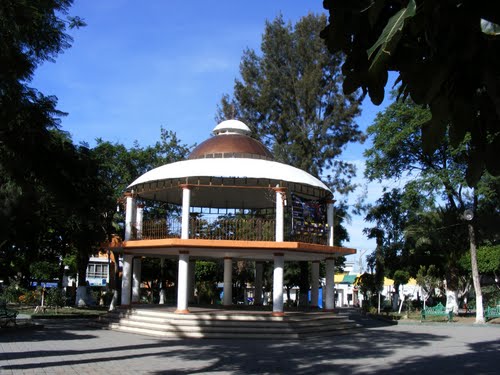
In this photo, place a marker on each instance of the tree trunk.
(304, 284)
(452, 300)
(475, 275)
(81, 290)
(451, 286)
(395, 299)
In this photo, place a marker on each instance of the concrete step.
(207, 335)
(226, 324)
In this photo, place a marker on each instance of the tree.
(397, 153)
(428, 280)
(31, 32)
(291, 98)
(488, 262)
(119, 166)
(446, 54)
(207, 275)
(290, 95)
(36, 158)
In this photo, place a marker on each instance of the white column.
(314, 283)
(329, 218)
(191, 280)
(330, 283)
(126, 279)
(228, 282)
(136, 280)
(182, 283)
(130, 213)
(186, 204)
(280, 213)
(279, 263)
(138, 220)
(259, 266)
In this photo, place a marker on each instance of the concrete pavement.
(72, 347)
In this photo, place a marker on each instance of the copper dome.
(231, 141)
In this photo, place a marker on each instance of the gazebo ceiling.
(229, 170)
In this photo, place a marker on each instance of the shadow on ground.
(366, 351)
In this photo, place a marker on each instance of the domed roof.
(231, 140)
(229, 170)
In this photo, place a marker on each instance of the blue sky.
(138, 66)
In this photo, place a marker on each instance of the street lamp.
(468, 215)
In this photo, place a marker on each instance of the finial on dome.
(231, 127)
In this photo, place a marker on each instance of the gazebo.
(272, 212)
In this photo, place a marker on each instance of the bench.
(492, 313)
(7, 315)
(438, 310)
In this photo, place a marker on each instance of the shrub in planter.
(55, 297)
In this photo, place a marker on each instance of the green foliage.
(207, 275)
(428, 279)
(445, 54)
(208, 271)
(400, 278)
(119, 166)
(416, 231)
(55, 297)
(291, 96)
(51, 197)
(491, 295)
(369, 285)
(12, 292)
(43, 270)
(488, 260)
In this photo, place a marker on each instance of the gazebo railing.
(159, 229)
(243, 229)
(307, 232)
(253, 229)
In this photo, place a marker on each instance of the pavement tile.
(76, 348)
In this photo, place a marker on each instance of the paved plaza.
(74, 347)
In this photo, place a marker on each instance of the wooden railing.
(244, 229)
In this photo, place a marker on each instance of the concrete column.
(330, 285)
(130, 214)
(186, 204)
(330, 220)
(315, 283)
(279, 264)
(280, 213)
(191, 280)
(136, 280)
(126, 279)
(228, 282)
(259, 267)
(182, 283)
(139, 218)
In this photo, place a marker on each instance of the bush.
(12, 293)
(55, 297)
(491, 295)
(207, 292)
(30, 297)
